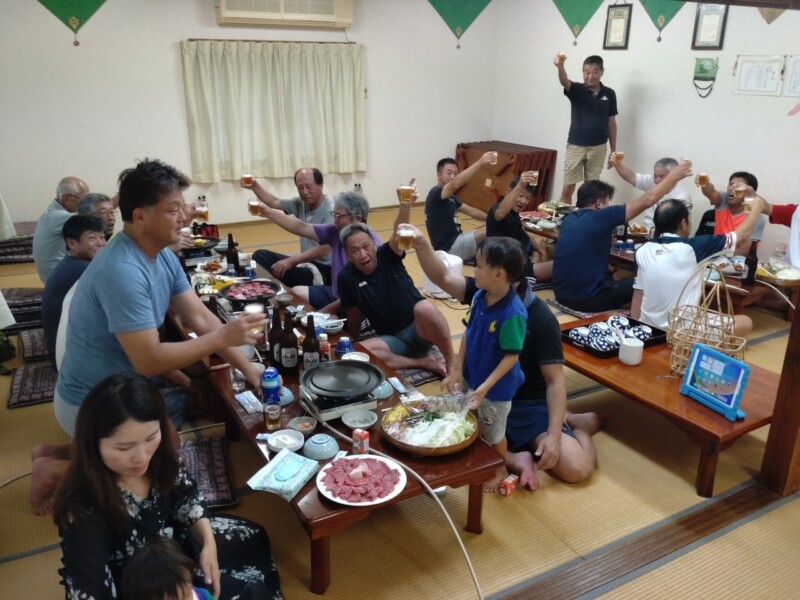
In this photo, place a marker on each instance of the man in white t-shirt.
(645, 181)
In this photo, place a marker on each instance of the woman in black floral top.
(125, 487)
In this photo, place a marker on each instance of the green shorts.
(583, 163)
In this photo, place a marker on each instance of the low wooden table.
(647, 385)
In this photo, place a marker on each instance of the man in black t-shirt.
(540, 433)
(375, 284)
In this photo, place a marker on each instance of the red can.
(360, 441)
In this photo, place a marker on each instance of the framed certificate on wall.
(709, 26)
(618, 27)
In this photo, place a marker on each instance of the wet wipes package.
(249, 402)
(285, 474)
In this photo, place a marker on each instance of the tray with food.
(731, 266)
(249, 291)
(361, 480)
(431, 426)
(602, 340)
(534, 215)
(637, 230)
(201, 245)
(778, 273)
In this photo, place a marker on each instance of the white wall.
(91, 111)
(660, 112)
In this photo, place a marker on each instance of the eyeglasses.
(336, 215)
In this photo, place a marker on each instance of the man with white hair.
(48, 243)
(100, 206)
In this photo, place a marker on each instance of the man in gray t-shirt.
(312, 206)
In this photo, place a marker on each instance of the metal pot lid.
(342, 378)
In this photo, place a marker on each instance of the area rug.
(33, 345)
(32, 384)
(417, 377)
(22, 297)
(16, 253)
(206, 460)
(577, 313)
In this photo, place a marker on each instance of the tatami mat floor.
(644, 479)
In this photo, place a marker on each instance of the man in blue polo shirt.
(593, 123)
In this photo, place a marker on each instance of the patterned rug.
(207, 461)
(33, 345)
(32, 384)
(25, 304)
(577, 313)
(417, 377)
(20, 247)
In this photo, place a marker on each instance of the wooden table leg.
(320, 564)
(474, 508)
(706, 471)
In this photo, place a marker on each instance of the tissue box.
(509, 485)
(285, 474)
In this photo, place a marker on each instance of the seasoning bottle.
(232, 255)
(311, 345)
(751, 264)
(275, 335)
(288, 347)
(324, 348)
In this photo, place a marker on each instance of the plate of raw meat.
(362, 480)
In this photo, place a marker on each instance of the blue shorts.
(526, 422)
(407, 342)
(319, 296)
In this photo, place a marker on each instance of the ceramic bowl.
(304, 425)
(331, 327)
(362, 356)
(359, 418)
(285, 438)
(283, 300)
(320, 447)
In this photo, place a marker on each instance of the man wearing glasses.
(48, 243)
(311, 206)
(100, 206)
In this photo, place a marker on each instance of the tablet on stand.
(716, 380)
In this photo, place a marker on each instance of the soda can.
(270, 387)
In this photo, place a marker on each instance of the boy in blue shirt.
(488, 360)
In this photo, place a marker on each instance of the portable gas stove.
(326, 408)
(330, 389)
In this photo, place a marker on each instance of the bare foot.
(521, 463)
(430, 363)
(46, 475)
(61, 451)
(490, 487)
(590, 422)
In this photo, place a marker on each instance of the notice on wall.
(759, 75)
(791, 85)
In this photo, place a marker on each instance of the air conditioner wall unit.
(333, 14)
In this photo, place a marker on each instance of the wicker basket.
(692, 324)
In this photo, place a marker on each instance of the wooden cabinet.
(492, 181)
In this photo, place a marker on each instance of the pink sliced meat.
(360, 479)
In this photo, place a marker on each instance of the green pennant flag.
(661, 12)
(459, 14)
(73, 13)
(577, 13)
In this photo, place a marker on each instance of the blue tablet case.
(716, 380)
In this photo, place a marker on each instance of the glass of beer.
(406, 193)
(405, 237)
(201, 210)
(702, 179)
(620, 155)
(272, 417)
(562, 57)
(247, 179)
(747, 205)
(254, 206)
(255, 309)
(494, 158)
(534, 178)
(738, 190)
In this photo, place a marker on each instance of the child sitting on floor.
(161, 571)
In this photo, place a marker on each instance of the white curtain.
(272, 108)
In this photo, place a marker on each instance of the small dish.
(383, 391)
(283, 300)
(546, 224)
(362, 356)
(320, 447)
(286, 438)
(304, 425)
(331, 327)
(359, 418)
(287, 397)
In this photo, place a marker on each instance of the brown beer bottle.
(288, 347)
(232, 255)
(751, 264)
(275, 335)
(311, 354)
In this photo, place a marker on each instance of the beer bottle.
(232, 255)
(288, 347)
(275, 335)
(751, 264)
(311, 353)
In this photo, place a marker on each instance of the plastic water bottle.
(270, 387)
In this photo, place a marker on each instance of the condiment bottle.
(288, 347)
(324, 348)
(751, 264)
(232, 255)
(311, 345)
(275, 335)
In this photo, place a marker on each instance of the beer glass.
(405, 237)
(620, 155)
(534, 178)
(406, 193)
(494, 158)
(702, 179)
(247, 179)
(272, 417)
(747, 205)
(255, 309)
(738, 190)
(562, 57)
(201, 210)
(254, 206)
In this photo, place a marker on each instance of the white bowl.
(362, 356)
(359, 418)
(320, 447)
(286, 438)
(331, 327)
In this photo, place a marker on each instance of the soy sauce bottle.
(274, 338)
(311, 354)
(288, 347)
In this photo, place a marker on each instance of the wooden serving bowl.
(427, 451)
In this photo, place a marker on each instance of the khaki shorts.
(583, 163)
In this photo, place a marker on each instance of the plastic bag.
(434, 422)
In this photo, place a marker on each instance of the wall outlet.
(357, 187)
